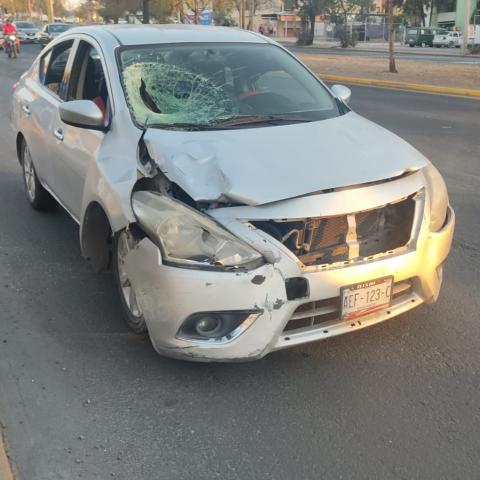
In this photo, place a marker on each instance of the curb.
(465, 92)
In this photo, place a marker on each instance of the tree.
(391, 5)
(414, 11)
(86, 10)
(222, 12)
(113, 9)
(343, 11)
(308, 11)
(392, 68)
(253, 6)
(163, 10)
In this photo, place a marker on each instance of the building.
(451, 13)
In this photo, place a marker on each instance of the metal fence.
(364, 32)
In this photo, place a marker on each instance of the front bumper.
(168, 295)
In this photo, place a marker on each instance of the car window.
(87, 79)
(25, 25)
(204, 84)
(58, 28)
(55, 66)
(42, 70)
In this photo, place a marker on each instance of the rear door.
(40, 107)
(76, 149)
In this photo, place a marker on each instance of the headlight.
(437, 192)
(187, 237)
(12, 38)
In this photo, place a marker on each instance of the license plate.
(366, 297)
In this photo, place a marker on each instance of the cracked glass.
(196, 85)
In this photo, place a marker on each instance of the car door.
(40, 107)
(76, 148)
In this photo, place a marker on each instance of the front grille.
(327, 240)
(322, 312)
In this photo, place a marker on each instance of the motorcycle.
(11, 46)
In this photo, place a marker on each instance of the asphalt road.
(81, 397)
(427, 54)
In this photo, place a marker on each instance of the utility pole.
(466, 25)
(242, 13)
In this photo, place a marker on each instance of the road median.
(432, 77)
(468, 92)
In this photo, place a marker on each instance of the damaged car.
(241, 205)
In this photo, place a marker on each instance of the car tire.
(37, 196)
(122, 243)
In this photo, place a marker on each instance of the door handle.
(26, 110)
(58, 134)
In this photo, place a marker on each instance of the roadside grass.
(453, 75)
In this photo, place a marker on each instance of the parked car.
(421, 36)
(51, 31)
(241, 205)
(27, 31)
(448, 39)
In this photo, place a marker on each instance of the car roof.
(154, 34)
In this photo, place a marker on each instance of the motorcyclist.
(10, 29)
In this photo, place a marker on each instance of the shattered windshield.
(220, 85)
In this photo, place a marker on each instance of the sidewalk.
(376, 47)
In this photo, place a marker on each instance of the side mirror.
(82, 114)
(342, 92)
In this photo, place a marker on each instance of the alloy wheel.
(123, 248)
(29, 174)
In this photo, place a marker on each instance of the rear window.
(25, 25)
(58, 28)
(412, 31)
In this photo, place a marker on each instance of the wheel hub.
(124, 247)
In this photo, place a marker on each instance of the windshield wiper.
(231, 122)
(259, 119)
(193, 127)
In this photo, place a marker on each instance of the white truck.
(449, 39)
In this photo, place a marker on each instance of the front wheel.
(37, 196)
(122, 244)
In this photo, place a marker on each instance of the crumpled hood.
(255, 166)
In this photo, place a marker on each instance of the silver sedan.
(241, 205)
